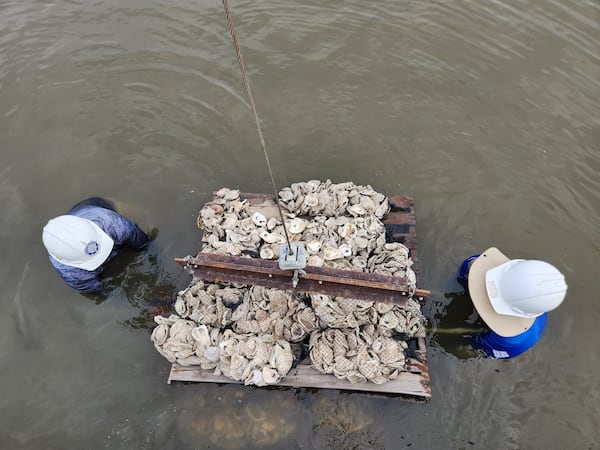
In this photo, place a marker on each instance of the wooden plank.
(414, 382)
(403, 213)
(303, 375)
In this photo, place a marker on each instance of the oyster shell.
(313, 246)
(286, 195)
(181, 307)
(266, 252)
(191, 360)
(160, 334)
(270, 376)
(331, 253)
(367, 204)
(229, 296)
(272, 223)
(201, 336)
(297, 225)
(348, 231)
(282, 358)
(345, 250)
(247, 225)
(166, 320)
(272, 238)
(212, 354)
(356, 210)
(259, 219)
(257, 378)
(359, 263)
(314, 260)
(231, 194)
(389, 320)
(311, 200)
(230, 221)
(181, 327)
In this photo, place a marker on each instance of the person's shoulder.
(92, 212)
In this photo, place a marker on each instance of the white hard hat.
(525, 288)
(516, 291)
(77, 242)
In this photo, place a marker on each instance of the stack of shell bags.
(239, 332)
(245, 333)
(361, 340)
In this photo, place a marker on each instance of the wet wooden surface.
(401, 227)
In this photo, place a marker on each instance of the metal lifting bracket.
(294, 259)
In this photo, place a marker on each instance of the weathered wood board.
(414, 383)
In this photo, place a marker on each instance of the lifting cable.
(293, 256)
(240, 60)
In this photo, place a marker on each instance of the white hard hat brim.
(502, 324)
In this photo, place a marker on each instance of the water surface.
(486, 112)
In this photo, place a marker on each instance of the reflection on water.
(341, 421)
(454, 322)
(236, 417)
(232, 419)
(145, 283)
(457, 326)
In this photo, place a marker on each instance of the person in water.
(512, 297)
(80, 242)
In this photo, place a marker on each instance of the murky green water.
(488, 113)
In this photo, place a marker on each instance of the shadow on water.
(458, 324)
(234, 417)
(140, 276)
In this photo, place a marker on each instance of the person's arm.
(121, 229)
(130, 234)
(86, 281)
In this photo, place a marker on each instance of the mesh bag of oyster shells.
(246, 332)
(252, 359)
(340, 225)
(363, 341)
(242, 332)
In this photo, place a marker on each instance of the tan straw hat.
(502, 324)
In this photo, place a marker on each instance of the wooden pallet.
(414, 383)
